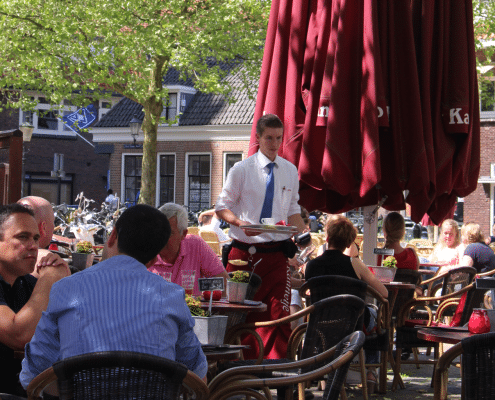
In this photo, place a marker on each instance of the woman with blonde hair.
(477, 254)
(394, 230)
(447, 251)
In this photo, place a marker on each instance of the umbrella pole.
(370, 226)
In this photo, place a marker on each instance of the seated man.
(45, 218)
(22, 296)
(118, 304)
(185, 253)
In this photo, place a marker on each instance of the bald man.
(43, 214)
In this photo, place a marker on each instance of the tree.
(80, 50)
(484, 36)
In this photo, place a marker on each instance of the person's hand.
(54, 265)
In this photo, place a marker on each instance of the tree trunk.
(153, 108)
(148, 171)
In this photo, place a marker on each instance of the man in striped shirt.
(118, 304)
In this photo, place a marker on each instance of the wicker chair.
(331, 285)
(478, 368)
(248, 380)
(453, 283)
(118, 375)
(329, 321)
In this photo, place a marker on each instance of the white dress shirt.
(244, 193)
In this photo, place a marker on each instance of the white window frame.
(158, 182)
(60, 125)
(122, 173)
(186, 173)
(224, 167)
(178, 90)
(102, 111)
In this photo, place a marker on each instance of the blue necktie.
(266, 211)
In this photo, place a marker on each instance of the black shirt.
(15, 297)
(331, 262)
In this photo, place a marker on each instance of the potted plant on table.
(237, 286)
(208, 329)
(83, 257)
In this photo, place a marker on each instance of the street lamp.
(135, 125)
(27, 133)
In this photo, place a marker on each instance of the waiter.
(264, 186)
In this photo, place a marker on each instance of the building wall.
(477, 204)
(180, 149)
(89, 169)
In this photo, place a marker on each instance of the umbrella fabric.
(368, 91)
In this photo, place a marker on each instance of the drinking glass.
(187, 281)
(166, 275)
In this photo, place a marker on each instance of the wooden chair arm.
(295, 340)
(383, 317)
(444, 305)
(236, 331)
(39, 382)
(195, 386)
(441, 371)
(235, 378)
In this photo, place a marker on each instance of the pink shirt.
(194, 255)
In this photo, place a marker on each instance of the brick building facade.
(85, 170)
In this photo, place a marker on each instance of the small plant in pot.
(237, 286)
(208, 329)
(390, 262)
(83, 256)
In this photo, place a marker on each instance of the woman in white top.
(448, 250)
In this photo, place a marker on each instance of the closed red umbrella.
(367, 91)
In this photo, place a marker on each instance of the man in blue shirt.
(118, 304)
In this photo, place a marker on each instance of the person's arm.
(466, 261)
(17, 329)
(229, 217)
(365, 275)
(297, 221)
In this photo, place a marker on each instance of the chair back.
(478, 366)
(208, 236)
(457, 278)
(119, 375)
(193, 230)
(331, 320)
(407, 276)
(325, 286)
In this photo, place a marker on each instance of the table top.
(399, 285)
(224, 305)
(220, 353)
(447, 335)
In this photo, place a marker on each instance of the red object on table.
(479, 322)
(217, 295)
(281, 223)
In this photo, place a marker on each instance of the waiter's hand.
(248, 232)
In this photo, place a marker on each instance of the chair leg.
(416, 356)
(383, 372)
(362, 368)
(343, 394)
(397, 378)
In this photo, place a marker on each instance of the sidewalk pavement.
(417, 384)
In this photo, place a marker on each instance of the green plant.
(240, 277)
(195, 307)
(390, 262)
(84, 247)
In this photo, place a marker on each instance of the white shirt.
(244, 193)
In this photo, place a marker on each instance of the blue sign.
(81, 118)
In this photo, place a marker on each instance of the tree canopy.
(79, 50)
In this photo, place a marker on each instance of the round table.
(447, 335)
(235, 311)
